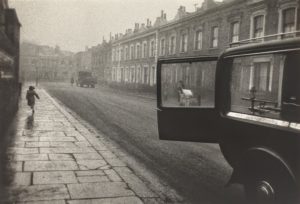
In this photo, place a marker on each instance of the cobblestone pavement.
(54, 159)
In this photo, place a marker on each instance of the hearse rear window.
(188, 84)
(266, 86)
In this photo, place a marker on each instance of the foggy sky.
(73, 24)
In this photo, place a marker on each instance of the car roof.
(275, 45)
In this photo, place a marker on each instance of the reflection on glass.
(256, 85)
(188, 84)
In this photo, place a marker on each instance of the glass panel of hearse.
(188, 84)
(256, 89)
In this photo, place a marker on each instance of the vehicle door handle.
(158, 109)
(291, 104)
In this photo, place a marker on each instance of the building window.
(144, 52)
(162, 47)
(183, 42)
(138, 51)
(198, 40)
(145, 75)
(172, 45)
(289, 20)
(261, 76)
(215, 36)
(258, 26)
(122, 54)
(152, 76)
(138, 73)
(142, 75)
(117, 54)
(126, 54)
(131, 52)
(235, 32)
(152, 48)
(113, 55)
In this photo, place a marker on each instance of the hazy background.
(73, 24)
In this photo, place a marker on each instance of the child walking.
(30, 96)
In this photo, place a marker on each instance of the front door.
(186, 99)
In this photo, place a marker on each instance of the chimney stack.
(165, 16)
(162, 14)
(207, 4)
(136, 27)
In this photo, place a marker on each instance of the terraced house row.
(209, 30)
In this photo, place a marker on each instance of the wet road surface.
(198, 172)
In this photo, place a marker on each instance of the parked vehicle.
(248, 101)
(86, 78)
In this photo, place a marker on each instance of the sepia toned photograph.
(149, 101)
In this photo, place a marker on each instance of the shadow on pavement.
(29, 122)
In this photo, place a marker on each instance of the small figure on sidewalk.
(30, 96)
(180, 88)
(72, 81)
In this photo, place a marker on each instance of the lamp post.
(36, 72)
(36, 76)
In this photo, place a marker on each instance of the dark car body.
(86, 78)
(261, 141)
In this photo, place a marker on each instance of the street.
(198, 172)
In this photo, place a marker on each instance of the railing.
(277, 36)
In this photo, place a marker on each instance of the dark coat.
(30, 96)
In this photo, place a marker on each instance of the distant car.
(86, 78)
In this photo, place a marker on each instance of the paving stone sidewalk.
(54, 159)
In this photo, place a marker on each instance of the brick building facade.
(207, 31)
(101, 61)
(83, 60)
